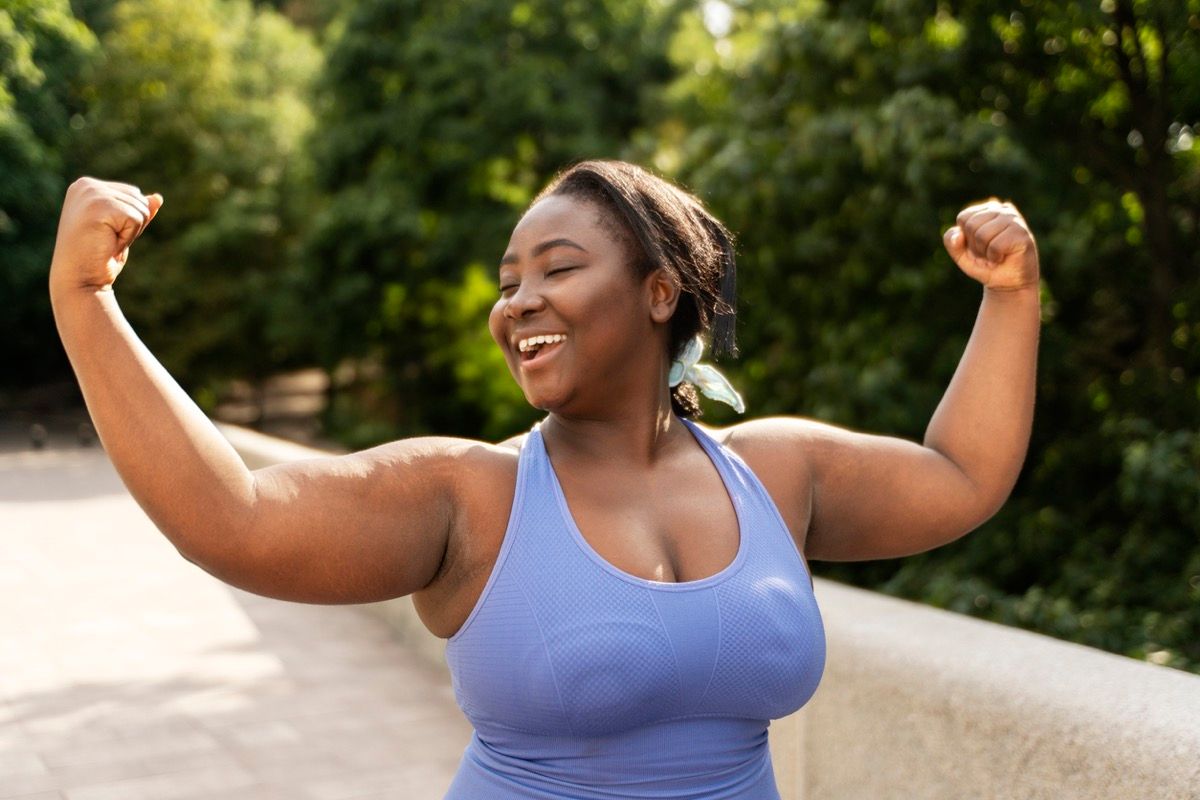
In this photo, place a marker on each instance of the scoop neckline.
(728, 570)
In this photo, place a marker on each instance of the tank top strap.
(533, 450)
(551, 533)
(738, 477)
(736, 472)
(752, 493)
(523, 512)
(541, 521)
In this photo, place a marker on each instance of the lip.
(515, 341)
(545, 353)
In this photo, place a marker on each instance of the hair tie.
(705, 377)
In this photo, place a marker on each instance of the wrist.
(1029, 290)
(63, 295)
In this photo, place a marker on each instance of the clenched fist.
(99, 221)
(992, 244)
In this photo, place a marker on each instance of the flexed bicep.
(884, 497)
(357, 528)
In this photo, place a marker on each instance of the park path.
(128, 673)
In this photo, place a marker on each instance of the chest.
(679, 525)
(673, 525)
(566, 646)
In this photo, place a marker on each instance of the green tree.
(840, 140)
(42, 48)
(439, 123)
(1106, 96)
(207, 104)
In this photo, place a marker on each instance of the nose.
(525, 300)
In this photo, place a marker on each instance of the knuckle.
(82, 186)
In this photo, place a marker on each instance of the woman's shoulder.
(469, 466)
(513, 444)
(452, 449)
(769, 445)
(761, 431)
(490, 467)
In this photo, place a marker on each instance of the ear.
(663, 294)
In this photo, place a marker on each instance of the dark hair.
(661, 225)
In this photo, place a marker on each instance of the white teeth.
(535, 341)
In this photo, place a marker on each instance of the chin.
(545, 403)
(545, 399)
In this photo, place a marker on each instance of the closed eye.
(509, 287)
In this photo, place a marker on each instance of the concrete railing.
(917, 702)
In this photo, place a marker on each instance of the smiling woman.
(625, 593)
(641, 227)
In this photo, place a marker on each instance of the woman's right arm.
(356, 528)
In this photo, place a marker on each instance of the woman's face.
(564, 276)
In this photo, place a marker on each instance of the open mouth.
(537, 348)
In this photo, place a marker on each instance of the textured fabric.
(584, 681)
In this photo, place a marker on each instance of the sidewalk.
(127, 673)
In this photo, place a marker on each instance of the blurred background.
(341, 179)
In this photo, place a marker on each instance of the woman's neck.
(630, 438)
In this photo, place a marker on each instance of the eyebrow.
(543, 247)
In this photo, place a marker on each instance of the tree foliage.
(206, 103)
(854, 132)
(439, 124)
(42, 48)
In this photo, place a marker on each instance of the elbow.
(992, 495)
(186, 557)
(214, 558)
(987, 497)
(987, 505)
(218, 538)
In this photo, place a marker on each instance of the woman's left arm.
(882, 496)
(984, 420)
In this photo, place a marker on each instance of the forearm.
(983, 422)
(175, 463)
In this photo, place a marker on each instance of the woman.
(625, 593)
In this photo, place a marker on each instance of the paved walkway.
(127, 673)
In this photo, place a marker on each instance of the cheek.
(496, 323)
